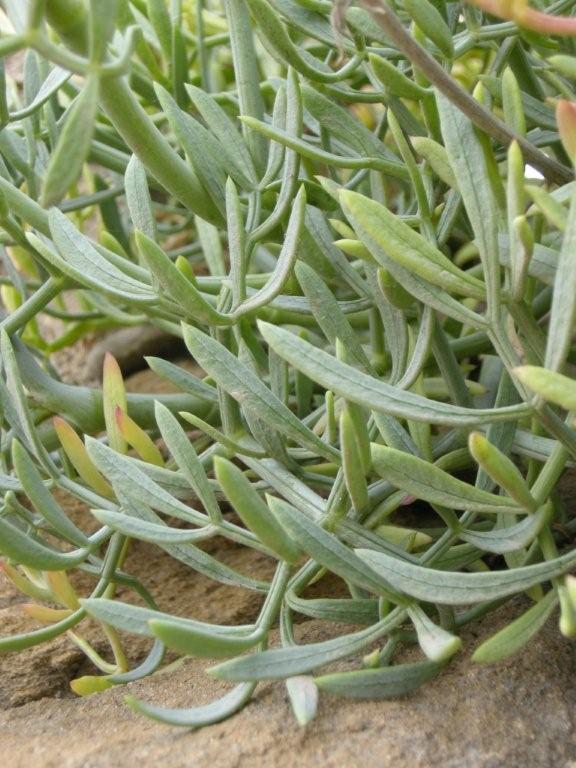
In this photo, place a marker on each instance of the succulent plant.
(361, 221)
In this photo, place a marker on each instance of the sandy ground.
(519, 713)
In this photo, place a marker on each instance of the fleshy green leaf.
(385, 683)
(387, 237)
(197, 642)
(196, 717)
(552, 386)
(286, 260)
(509, 539)
(430, 21)
(371, 392)
(437, 643)
(187, 460)
(138, 198)
(42, 499)
(113, 397)
(24, 550)
(249, 390)
(146, 531)
(502, 470)
(253, 512)
(563, 310)
(426, 481)
(128, 480)
(73, 145)
(176, 285)
(451, 588)
(325, 547)
(135, 619)
(518, 633)
(303, 695)
(300, 659)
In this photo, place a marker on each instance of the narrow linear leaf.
(187, 460)
(437, 157)
(343, 126)
(42, 500)
(325, 548)
(392, 78)
(303, 696)
(224, 129)
(182, 379)
(81, 261)
(518, 633)
(466, 156)
(373, 393)
(253, 512)
(138, 198)
(437, 643)
(137, 438)
(286, 259)
(360, 611)
(53, 82)
(243, 446)
(382, 232)
(300, 659)
(426, 481)
(197, 642)
(502, 470)
(552, 386)
(430, 21)
(75, 450)
(328, 314)
(176, 284)
(160, 19)
(563, 312)
(306, 149)
(450, 588)
(209, 566)
(135, 619)
(24, 550)
(128, 480)
(14, 400)
(73, 145)
(196, 717)
(384, 683)
(249, 390)
(113, 397)
(509, 539)
(145, 531)
(201, 147)
(352, 464)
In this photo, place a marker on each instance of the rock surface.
(516, 714)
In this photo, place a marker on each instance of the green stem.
(69, 19)
(477, 113)
(247, 75)
(12, 44)
(29, 639)
(83, 405)
(32, 306)
(58, 55)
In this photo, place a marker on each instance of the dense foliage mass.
(362, 222)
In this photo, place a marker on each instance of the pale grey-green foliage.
(363, 273)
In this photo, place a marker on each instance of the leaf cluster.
(361, 221)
